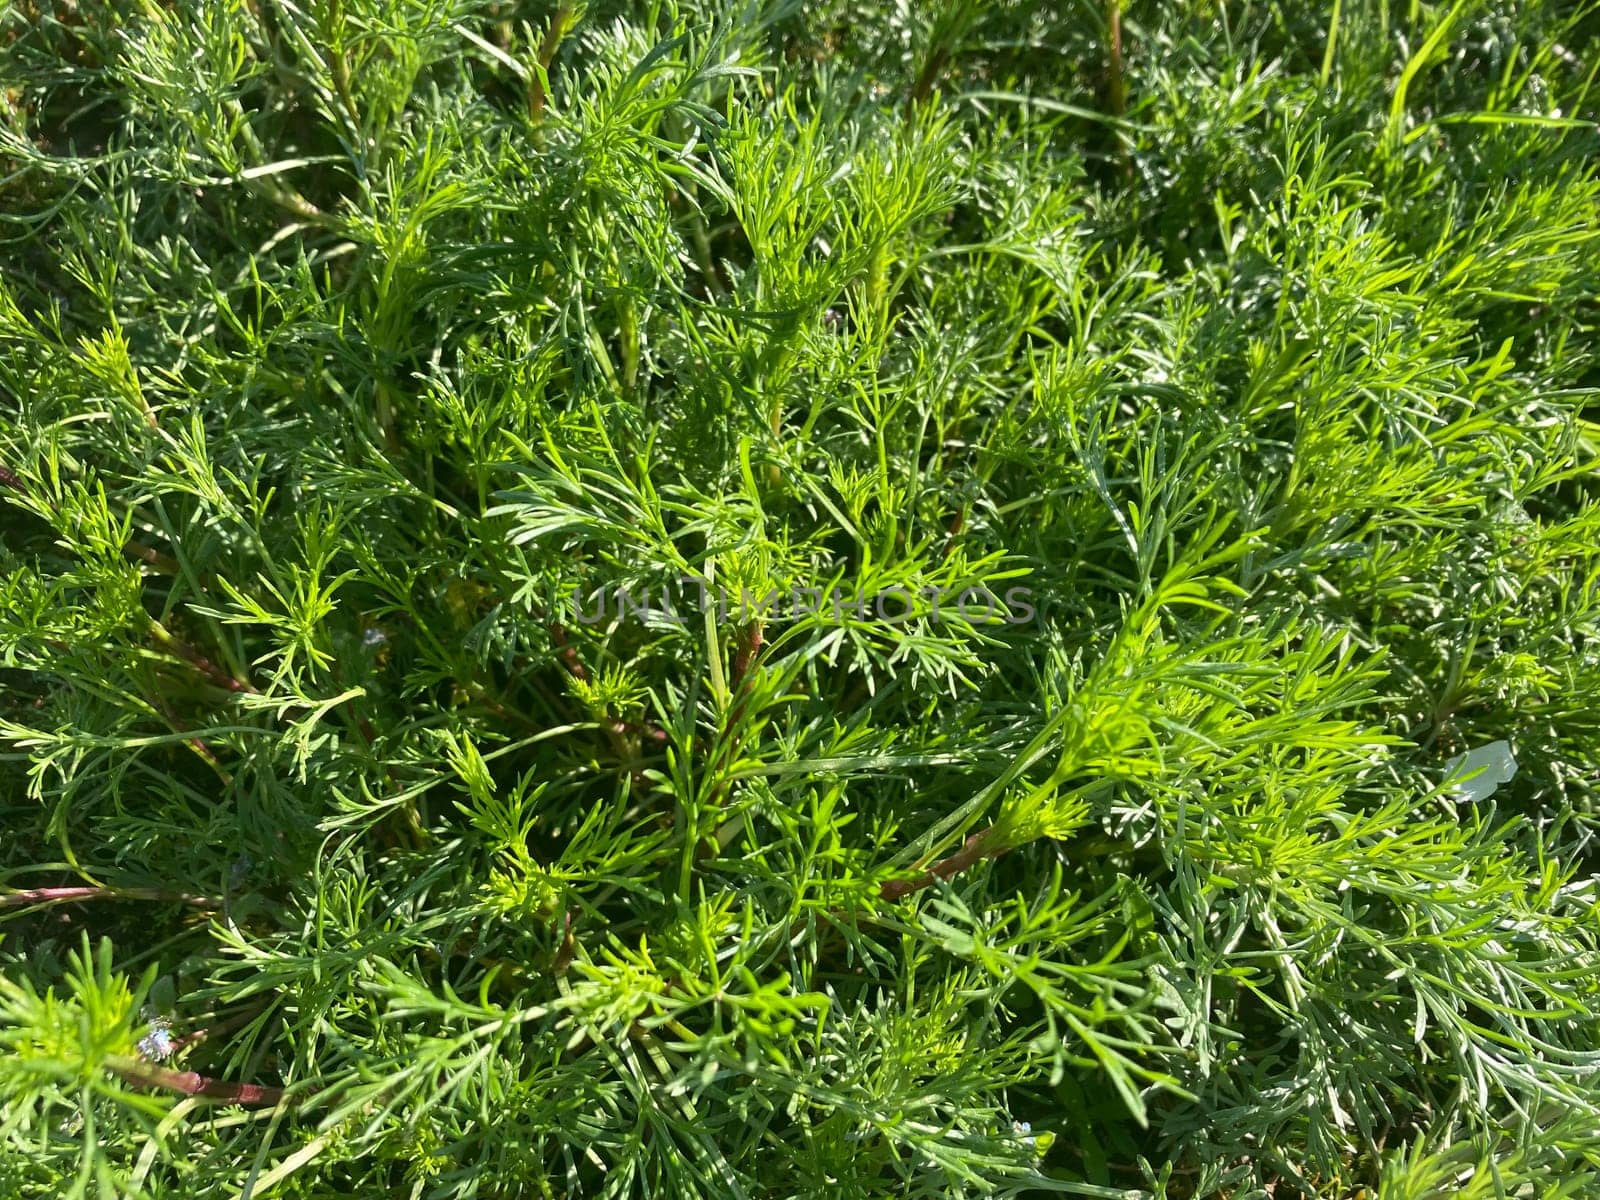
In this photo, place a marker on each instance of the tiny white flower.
(157, 1044)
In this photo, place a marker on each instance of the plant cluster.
(343, 343)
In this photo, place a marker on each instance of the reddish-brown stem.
(198, 661)
(569, 656)
(575, 668)
(1116, 84)
(152, 557)
(923, 88)
(568, 947)
(164, 563)
(749, 647)
(1116, 89)
(976, 849)
(174, 645)
(191, 1083)
(197, 744)
(167, 565)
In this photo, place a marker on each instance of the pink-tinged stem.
(68, 895)
(191, 1083)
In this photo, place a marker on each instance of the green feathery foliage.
(728, 598)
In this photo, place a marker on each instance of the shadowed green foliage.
(1139, 450)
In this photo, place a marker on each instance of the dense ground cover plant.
(373, 372)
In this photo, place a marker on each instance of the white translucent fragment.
(1476, 774)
